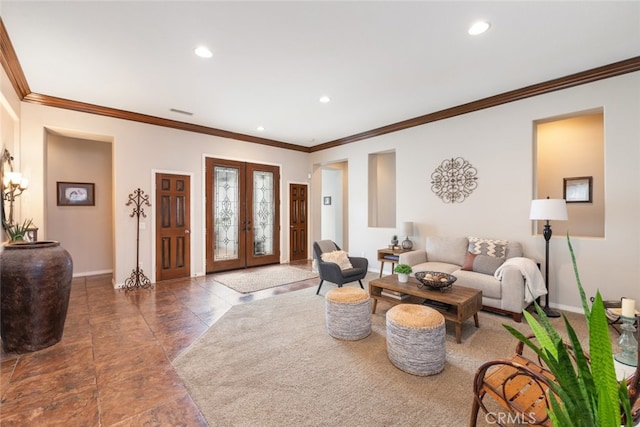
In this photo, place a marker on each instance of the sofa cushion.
(338, 257)
(486, 264)
(491, 247)
(489, 285)
(468, 262)
(514, 249)
(450, 250)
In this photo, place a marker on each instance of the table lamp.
(548, 210)
(407, 230)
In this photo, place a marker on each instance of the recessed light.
(203, 52)
(325, 99)
(260, 128)
(479, 28)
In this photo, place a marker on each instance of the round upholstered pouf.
(416, 339)
(348, 313)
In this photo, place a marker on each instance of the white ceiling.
(380, 62)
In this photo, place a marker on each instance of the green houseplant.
(403, 271)
(588, 391)
(16, 232)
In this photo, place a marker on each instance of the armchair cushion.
(337, 257)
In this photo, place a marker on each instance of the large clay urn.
(35, 283)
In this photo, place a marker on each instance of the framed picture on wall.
(76, 194)
(578, 189)
(326, 200)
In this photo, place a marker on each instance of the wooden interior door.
(173, 238)
(298, 222)
(242, 214)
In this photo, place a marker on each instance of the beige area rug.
(263, 278)
(271, 363)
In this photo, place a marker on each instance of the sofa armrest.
(413, 258)
(513, 289)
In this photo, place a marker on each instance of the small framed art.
(578, 189)
(76, 194)
(326, 200)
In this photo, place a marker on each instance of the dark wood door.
(298, 222)
(242, 214)
(173, 239)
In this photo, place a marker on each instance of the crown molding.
(607, 71)
(11, 65)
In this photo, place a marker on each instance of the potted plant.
(403, 271)
(17, 232)
(588, 390)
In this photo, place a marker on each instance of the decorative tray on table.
(435, 280)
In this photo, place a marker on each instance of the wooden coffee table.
(456, 304)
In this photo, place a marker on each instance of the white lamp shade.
(549, 209)
(407, 228)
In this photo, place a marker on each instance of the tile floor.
(113, 365)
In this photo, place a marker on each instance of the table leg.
(458, 333)
(381, 267)
(475, 317)
(374, 304)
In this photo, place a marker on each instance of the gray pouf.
(416, 339)
(348, 313)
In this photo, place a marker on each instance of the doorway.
(242, 214)
(298, 217)
(173, 232)
(334, 218)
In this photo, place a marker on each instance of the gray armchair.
(331, 272)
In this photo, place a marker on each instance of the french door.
(242, 214)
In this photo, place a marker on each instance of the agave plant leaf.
(583, 296)
(604, 374)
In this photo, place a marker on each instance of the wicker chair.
(331, 272)
(523, 387)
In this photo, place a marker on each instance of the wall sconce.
(13, 184)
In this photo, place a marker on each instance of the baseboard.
(93, 273)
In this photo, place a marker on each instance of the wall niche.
(572, 146)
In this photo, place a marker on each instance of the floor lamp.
(548, 210)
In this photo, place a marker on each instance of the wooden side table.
(389, 255)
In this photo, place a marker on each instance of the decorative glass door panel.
(263, 213)
(242, 214)
(226, 206)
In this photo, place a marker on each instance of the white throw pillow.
(337, 257)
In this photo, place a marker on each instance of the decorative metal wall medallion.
(454, 180)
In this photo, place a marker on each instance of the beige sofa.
(509, 282)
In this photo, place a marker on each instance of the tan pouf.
(416, 339)
(348, 313)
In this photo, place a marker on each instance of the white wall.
(499, 143)
(138, 150)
